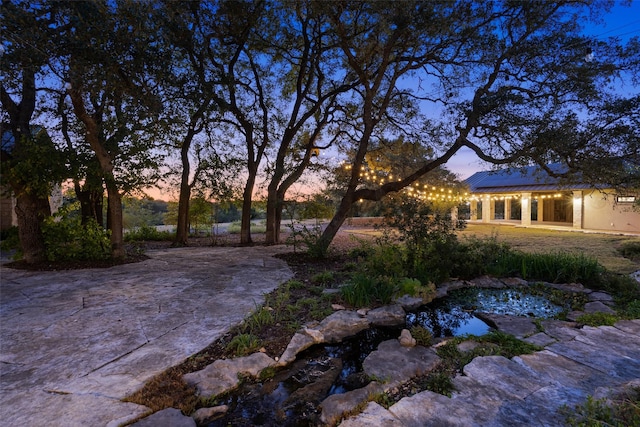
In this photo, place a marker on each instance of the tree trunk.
(341, 214)
(31, 211)
(273, 233)
(93, 136)
(245, 223)
(115, 213)
(182, 228)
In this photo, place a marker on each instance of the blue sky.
(622, 22)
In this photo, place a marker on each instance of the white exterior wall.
(601, 212)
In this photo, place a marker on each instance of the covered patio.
(530, 197)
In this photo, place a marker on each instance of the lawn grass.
(604, 247)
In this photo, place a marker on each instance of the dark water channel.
(292, 396)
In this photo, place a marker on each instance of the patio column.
(525, 206)
(507, 208)
(540, 209)
(577, 209)
(486, 208)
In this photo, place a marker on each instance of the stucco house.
(529, 196)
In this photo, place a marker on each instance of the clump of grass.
(323, 278)
(365, 290)
(147, 233)
(422, 336)
(243, 344)
(598, 319)
(630, 250)
(556, 267)
(623, 410)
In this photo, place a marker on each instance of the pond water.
(453, 315)
(279, 402)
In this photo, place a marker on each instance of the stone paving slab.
(528, 390)
(73, 343)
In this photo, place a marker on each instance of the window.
(626, 199)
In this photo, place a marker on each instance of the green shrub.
(630, 250)
(422, 336)
(147, 233)
(622, 411)
(66, 239)
(632, 310)
(556, 267)
(243, 344)
(323, 278)
(10, 241)
(598, 319)
(363, 290)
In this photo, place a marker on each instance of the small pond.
(453, 315)
(283, 402)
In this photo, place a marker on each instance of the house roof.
(529, 179)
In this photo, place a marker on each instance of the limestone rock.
(389, 315)
(222, 375)
(298, 343)
(517, 326)
(204, 416)
(394, 364)
(540, 339)
(342, 324)
(320, 382)
(334, 406)
(466, 346)
(406, 340)
(514, 282)
(362, 312)
(410, 303)
(600, 296)
(169, 417)
(598, 307)
(373, 415)
(337, 307)
(487, 282)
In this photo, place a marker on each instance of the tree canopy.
(266, 85)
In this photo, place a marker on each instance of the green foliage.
(438, 382)
(261, 317)
(632, 310)
(243, 344)
(309, 237)
(598, 319)
(422, 336)
(66, 239)
(9, 239)
(323, 278)
(622, 411)
(364, 289)
(256, 227)
(142, 212)
(507, 345)
(556, 267)
(630, 250)
(147, 233)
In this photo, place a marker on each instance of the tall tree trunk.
(115, 213)
(31, 208)
(182, 228)
(273, 230)
(114, 203)
(341, 214)
(245, 222)
(31, 211)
